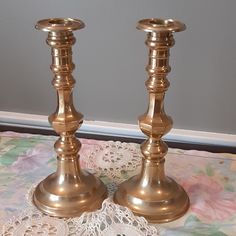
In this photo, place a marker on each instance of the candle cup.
(151, 193)
(69, 191)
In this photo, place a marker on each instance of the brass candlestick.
(151, 194)
(69, 191)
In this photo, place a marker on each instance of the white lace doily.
(32, 222)
(111, 158)
(110, 220)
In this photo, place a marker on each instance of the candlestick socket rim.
(59, 24)
(160, 25)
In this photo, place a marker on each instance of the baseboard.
(119, 130)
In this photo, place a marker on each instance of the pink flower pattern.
(32, 158)
(208, 198)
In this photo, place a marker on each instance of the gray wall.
(110, 57)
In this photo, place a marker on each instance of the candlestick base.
(158, 202)
(68, 195)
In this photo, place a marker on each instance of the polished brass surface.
(69, 191)
(151, 193)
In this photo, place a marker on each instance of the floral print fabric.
(208, 178)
